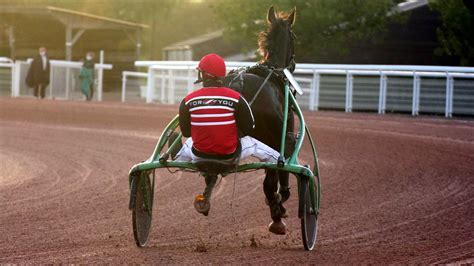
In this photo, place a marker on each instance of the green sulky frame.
(159, 158)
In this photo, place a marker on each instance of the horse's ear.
(292, 16)
(271, 15)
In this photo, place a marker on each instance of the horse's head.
(276, 43)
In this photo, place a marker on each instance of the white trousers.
(250, 147)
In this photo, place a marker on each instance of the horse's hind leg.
(270, 186)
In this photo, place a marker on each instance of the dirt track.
(396, 189)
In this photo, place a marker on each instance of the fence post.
(314, 93)
(416, 94)
(382, 93)
(12, 73)
(449, 95)
(418, 91)
(317, 91)
(14, 69)
(101, 77)
(384, 102)
(124, 83)
(446, 109)
(51, 80)
(68, 77)
(150, 85)
(349, 79)
(451, 92)
(17, 79)
(163, 84)
(171, 84)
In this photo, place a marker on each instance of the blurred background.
(329, 31)
(382, 32)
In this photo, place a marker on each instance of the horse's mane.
(267, 39)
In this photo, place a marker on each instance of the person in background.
(38, 74)
(87, 76)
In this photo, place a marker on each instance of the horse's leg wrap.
(285, 193)
(210, 183)
(275, 211)
(270, 186)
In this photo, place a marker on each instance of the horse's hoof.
(202, 205)
(278, 228)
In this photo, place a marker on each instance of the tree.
(456, 35)
(321, 25)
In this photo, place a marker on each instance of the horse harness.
(274, 75)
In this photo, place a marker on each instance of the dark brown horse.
(277, 46)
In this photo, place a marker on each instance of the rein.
(261, 87)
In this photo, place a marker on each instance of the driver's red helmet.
(212, 66)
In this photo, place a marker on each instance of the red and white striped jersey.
(212, 116)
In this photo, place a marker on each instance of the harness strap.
(261, 87)
(240, 76)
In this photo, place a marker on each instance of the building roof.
(73, 18)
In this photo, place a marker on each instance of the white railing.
(169, 78)
(8, 63)
(185, 71)
(383, 74)
(125, 75)
(20, 69)
(69, 65)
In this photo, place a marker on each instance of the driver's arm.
(244, 117)
(184, 120)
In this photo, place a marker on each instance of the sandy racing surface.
(396, 189)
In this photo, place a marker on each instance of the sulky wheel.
(142, 209)
(309, 219)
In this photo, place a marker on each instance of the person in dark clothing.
(38, 74)
(217, 121)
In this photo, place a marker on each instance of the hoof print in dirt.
(200, 248)
(253, 242)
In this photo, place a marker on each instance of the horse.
(276, 44)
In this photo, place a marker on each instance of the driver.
(217, 121)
